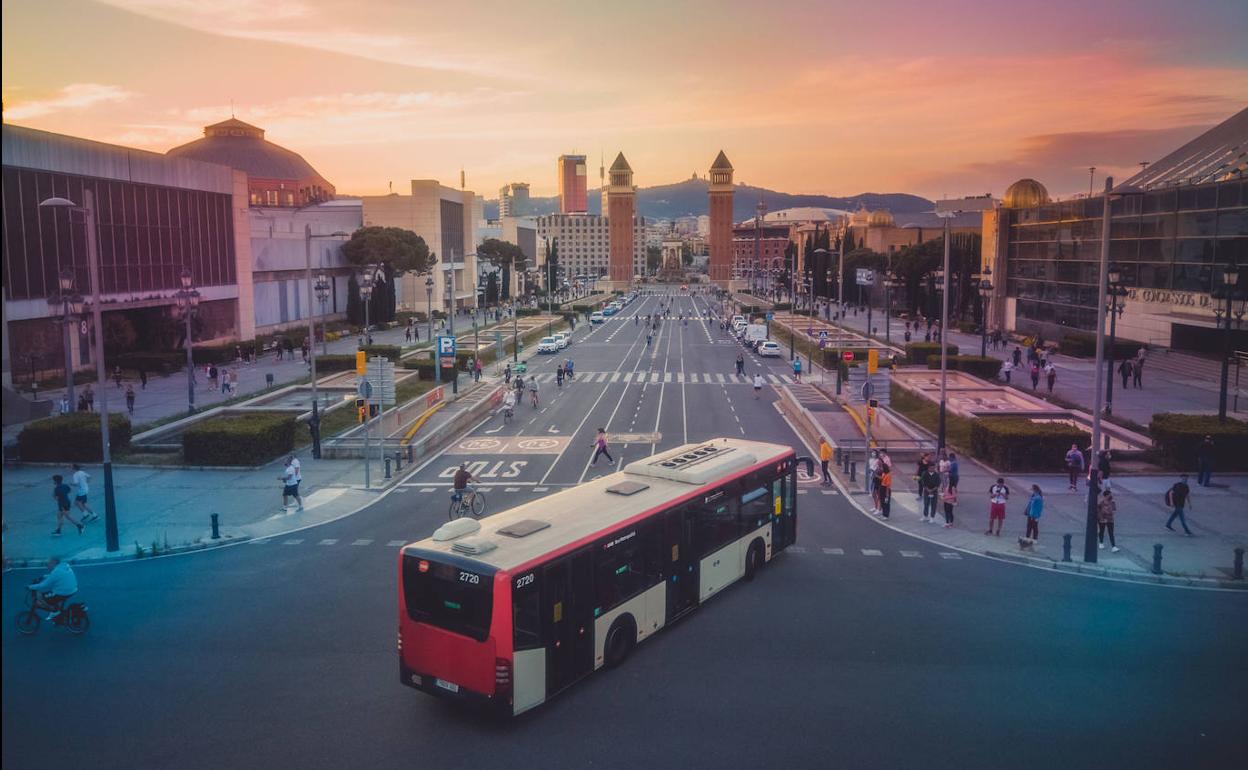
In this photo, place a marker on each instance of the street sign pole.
(867, 391)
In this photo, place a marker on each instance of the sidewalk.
(1218, 515)
(1173, 382)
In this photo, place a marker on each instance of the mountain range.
(689, 198)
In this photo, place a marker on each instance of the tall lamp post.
(437, 370)
(188, 303)
(1115, 300)
(93, 265)
(322, 288)
(314, 423)
(450, 314)
(985, 291)
(889, 282)
(943, 277)
(69, 304)
(1230, 279)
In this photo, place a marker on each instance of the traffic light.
(361, 363)
(374, 410)
(360, 412)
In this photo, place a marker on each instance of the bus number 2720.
(468, 577)
(525, 580)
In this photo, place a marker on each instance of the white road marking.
(512, 489)
(362, 542)
(797, 548)
(872, 552)
(912, 554)
(834, 551)
(261, 541)
(427, 489)
(827, 491)
(950, 555)
(295, 541)
(328, 541)
(395, 543)
(540, 489)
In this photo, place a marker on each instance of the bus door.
(784, 498)
(680, 568)
(567, 598)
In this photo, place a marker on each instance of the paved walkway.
(1173, 382)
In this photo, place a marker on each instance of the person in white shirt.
(758, 385)
(81, 489)
(58, 585)
(509, 402)
(290, 483)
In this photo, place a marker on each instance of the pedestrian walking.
(1007, 369)
(1179, 497)
(929, 489)
(407, 335)
(559, 376)
(873, 479)
(943, 466)
(224, 375)
(950, 498)
(304, 350)
(954, 474)
(797, 370)
(476, 370)
(567, 370)
(825, 456)
(213, 374)
(117, 376)
(740, 364)
(1204, 461)
(290, 346)
(1050, 374)
(1017, 356)
(886, 489)
(507, 375)
(1106, 507)
(1035, 374)
(998, 494)
(130, 399)
(1137, 373)
(89, 395)
(60, 493)
(1074, 466)
(142, 378)
(1035, 507)
(1125, 370)
(290, 479)
(758, 386)
(600, 447)
(82, 487)
(63, 406)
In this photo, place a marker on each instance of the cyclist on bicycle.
(519, 387)
(648, 338)
(533, 390)
(461, 482)
(509, 404)
(57, 586)
(567, 369)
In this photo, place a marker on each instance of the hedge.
(527, 311)
(917, 353)
(1178, 436)
(249, 440)
(1084, 346)
(983, 367)
(1012, 444)
(71, 438)
(335, 362)
(391, 352)
(424, 368)
(153, 362)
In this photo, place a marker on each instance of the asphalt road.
(860, 647)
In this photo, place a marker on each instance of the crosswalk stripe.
(950, 555)
(772, 379)
(428, 489)
(328, 541)
(912, 554)
(295, 541)
(719, 378)
(602, 377)
(834, 551)
(667, 377)
(872, 552)
(363, 542)
(615, 376)
(512, 489)
(797, 548)
(395, 543)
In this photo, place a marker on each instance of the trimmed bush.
(1178, 437)
(917, 353)
(71, 438)
(218, 354)
(424, 368)
(1084, 346)
(528, 311)
(1018, 444)
(390, 352)
(335, 362)
(249, 440)
(983, 367)
(153, 362)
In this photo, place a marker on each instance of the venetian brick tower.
(621, 209)
(720, 237)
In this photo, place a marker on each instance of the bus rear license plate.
(447, 685)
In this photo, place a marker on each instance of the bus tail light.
(502, 676)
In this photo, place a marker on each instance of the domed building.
(276, 176)
(1025, 193)
(880, 218)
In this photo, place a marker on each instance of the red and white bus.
(508, 611)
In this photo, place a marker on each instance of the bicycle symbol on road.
(480, 444)
(537, 444)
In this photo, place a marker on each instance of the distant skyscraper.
(572, 184)
(621, 210)
(513, 200)
(720, 235)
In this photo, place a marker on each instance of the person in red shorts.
(997, 495)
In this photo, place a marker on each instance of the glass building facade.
(1170, 245)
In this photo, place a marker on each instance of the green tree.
(505, 255)
(403, 250)
(654, 259)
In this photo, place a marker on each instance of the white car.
(737, 319)
(597, 318)
(563, 339)
(548, 345)
(769, 348)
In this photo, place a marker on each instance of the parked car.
(563, 339)
(769, 348)
(548, 345)
(597, 318)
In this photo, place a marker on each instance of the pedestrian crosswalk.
(667, 378)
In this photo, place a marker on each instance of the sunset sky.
(805, 96)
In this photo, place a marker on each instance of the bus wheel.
(620, 640)
(753, 559)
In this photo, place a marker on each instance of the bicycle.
(469, 502)
(533, 393)
(73, 616)
(508, 413)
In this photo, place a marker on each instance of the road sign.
(867, 390)
(380, 376)
(446, 346)
(848, 355)
(364, 389)
(865, 276)
(361, 362)
(771, 316)
(873, 361)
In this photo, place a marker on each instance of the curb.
(36, 562)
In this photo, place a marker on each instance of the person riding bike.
(648, 338)
(507, 375)
(559, 376)
(519, 387)
(636, 320)
(533, 390)
(463, 479)
(57, 586)
(509, 404)
(567, 369)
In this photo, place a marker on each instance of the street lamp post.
(1230, 279)
(69, 303)
(322, 288)
(188, 302)
(450, 314)
(888, 307)
(97, 316)
(437, 368)
(1115, 296)
(944, 323)
(985, 291)
(366, 296)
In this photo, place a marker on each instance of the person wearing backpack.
(998, 494)
(1074, 466)
(1106, 507)
(1035, 507)
(1178, 497)
(929, 488)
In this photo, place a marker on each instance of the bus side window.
(527, 614)
(757, 507)
(623, 566)
(714, 526)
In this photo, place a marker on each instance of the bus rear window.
(448, 596)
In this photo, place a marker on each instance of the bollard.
(845, 464)
(853, 470)
(387, 467)
(1157, 559)
(1066, 547)
(409, 454)
(398, 461)
(836, 457)
(1238, 574)
(216, 526)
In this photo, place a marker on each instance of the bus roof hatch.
(698, 465)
